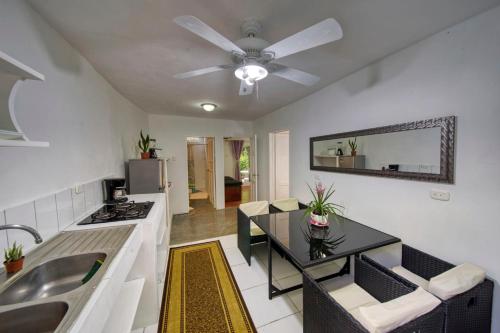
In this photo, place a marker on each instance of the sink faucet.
(36, 235)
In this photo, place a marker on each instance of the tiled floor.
(283, 313)
(202, 223)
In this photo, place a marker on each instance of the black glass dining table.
(305, 245)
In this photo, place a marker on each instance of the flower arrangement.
(319, 208)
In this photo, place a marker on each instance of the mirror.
(421, 150)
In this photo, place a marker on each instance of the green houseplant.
(14, 258)
(144, 144)
(319, 208)
(354, 147)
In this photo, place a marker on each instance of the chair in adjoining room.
(466, 293)
(375, 302)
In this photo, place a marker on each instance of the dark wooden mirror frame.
(447, 159)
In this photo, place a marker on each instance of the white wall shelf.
(12, 75)
(23, 143)
(13, 67)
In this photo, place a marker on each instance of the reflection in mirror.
(422, 150)
(408, 151)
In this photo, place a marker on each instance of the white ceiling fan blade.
(294, 75)
(201, 71)
(245, 89)
(326, 31)
(198, 27)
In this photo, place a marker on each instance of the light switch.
(440, 195)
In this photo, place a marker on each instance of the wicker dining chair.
(323, 314)
(469, 312)
(247, 236)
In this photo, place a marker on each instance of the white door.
(210, 175)
(282, 168)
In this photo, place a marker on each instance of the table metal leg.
(270, 266)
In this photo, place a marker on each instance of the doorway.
(279, 165)
(237, 171)
(201, 174)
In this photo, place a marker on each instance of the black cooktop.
(122, 211)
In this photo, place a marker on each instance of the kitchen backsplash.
(50, 214)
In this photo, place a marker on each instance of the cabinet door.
(346, 162)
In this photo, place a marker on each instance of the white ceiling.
(136, 46)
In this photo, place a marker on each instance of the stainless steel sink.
(52, 278)
(48, 294)
(40, 318)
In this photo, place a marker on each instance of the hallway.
(202, 222)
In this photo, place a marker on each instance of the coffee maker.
(114, 190)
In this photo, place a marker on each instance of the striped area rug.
(201, 295)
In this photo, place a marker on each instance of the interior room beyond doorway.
(201, 172)
(237, 186)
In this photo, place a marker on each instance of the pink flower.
(320, 189)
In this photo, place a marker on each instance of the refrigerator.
(146, 176)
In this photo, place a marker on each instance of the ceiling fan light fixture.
(209, 107)
(251, 73)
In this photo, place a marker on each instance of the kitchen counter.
(151, 260)
(129, 282)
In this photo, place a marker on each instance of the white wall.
(91, 128)
(171, 133)
(455, 72)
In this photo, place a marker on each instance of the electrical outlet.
(440, 195)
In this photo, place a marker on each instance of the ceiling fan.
(253, 57)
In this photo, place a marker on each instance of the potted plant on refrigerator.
(319, 208)
(14, 258)
(144, 144)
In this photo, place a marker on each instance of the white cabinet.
(12, 75)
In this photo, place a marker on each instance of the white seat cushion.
(255, 230)
(385, 317)
(252, 209)
(255, 208)
(456, 280)
(352, 297)
(412, 277)
(287, 205)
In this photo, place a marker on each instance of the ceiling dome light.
(209, 107)
(251, 73)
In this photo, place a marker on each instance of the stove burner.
(133, 212)
(104, 215)
(125, 206)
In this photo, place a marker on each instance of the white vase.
(319, 219)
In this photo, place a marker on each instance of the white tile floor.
(282, 313)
